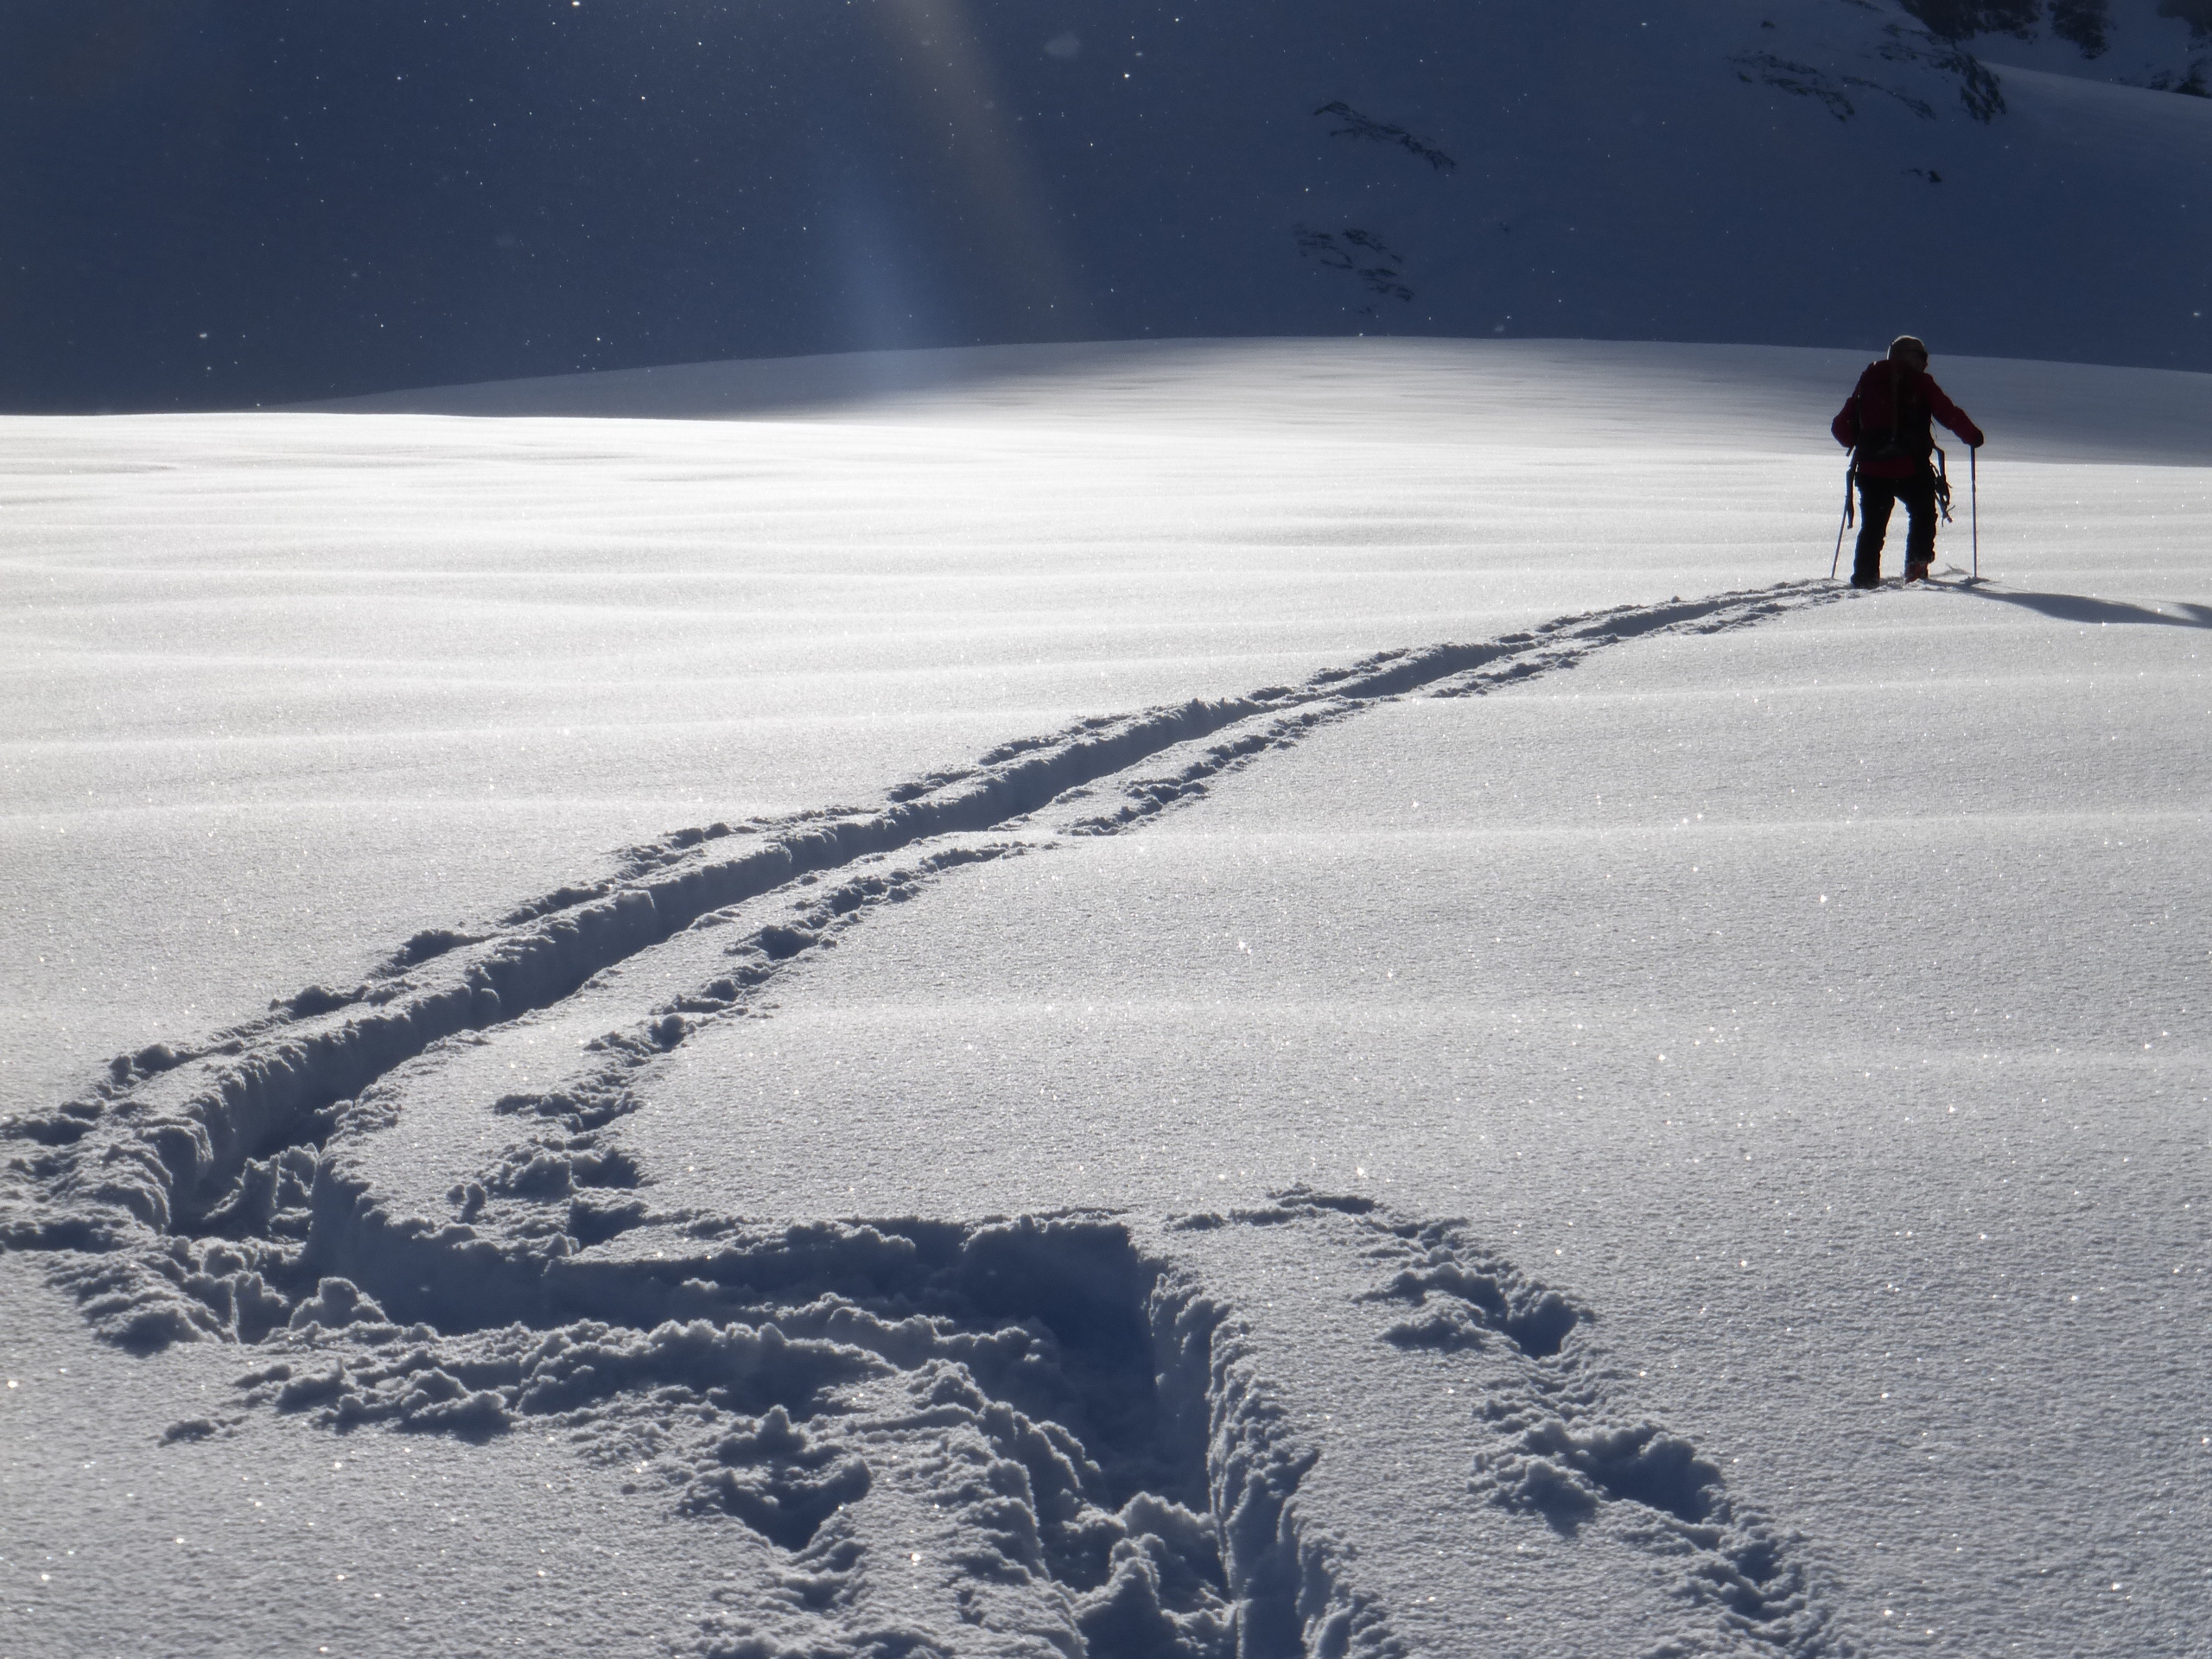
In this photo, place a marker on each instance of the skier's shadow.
(2079, 608)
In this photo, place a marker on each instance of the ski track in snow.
(1081, 1436)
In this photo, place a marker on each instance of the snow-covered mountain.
(523, 189)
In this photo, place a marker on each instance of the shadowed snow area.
(1247, 1000)
(2004, 177)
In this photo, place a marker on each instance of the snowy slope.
(513, 189)
(1239, 809)
(341, 730)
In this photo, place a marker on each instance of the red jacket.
(1885, 419)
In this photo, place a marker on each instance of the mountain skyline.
(222, 206)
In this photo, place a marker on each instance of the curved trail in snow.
(232, 1190)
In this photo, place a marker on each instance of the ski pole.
(1973, 500)
(1850, 471)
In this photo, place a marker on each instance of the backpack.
(1892, 446)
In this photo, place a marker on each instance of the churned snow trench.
(1669, 1123)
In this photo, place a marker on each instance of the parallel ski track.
(211, 1105)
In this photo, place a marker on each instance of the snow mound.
(1582, 394)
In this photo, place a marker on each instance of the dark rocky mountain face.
(2089, 25)
(1960, 20)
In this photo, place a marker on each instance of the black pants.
(1876, 497)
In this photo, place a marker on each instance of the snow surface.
(1279, 997)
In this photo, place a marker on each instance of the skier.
(1885, 422)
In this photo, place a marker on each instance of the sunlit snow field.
(948, 786)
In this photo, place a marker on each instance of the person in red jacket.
(1885, 422)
